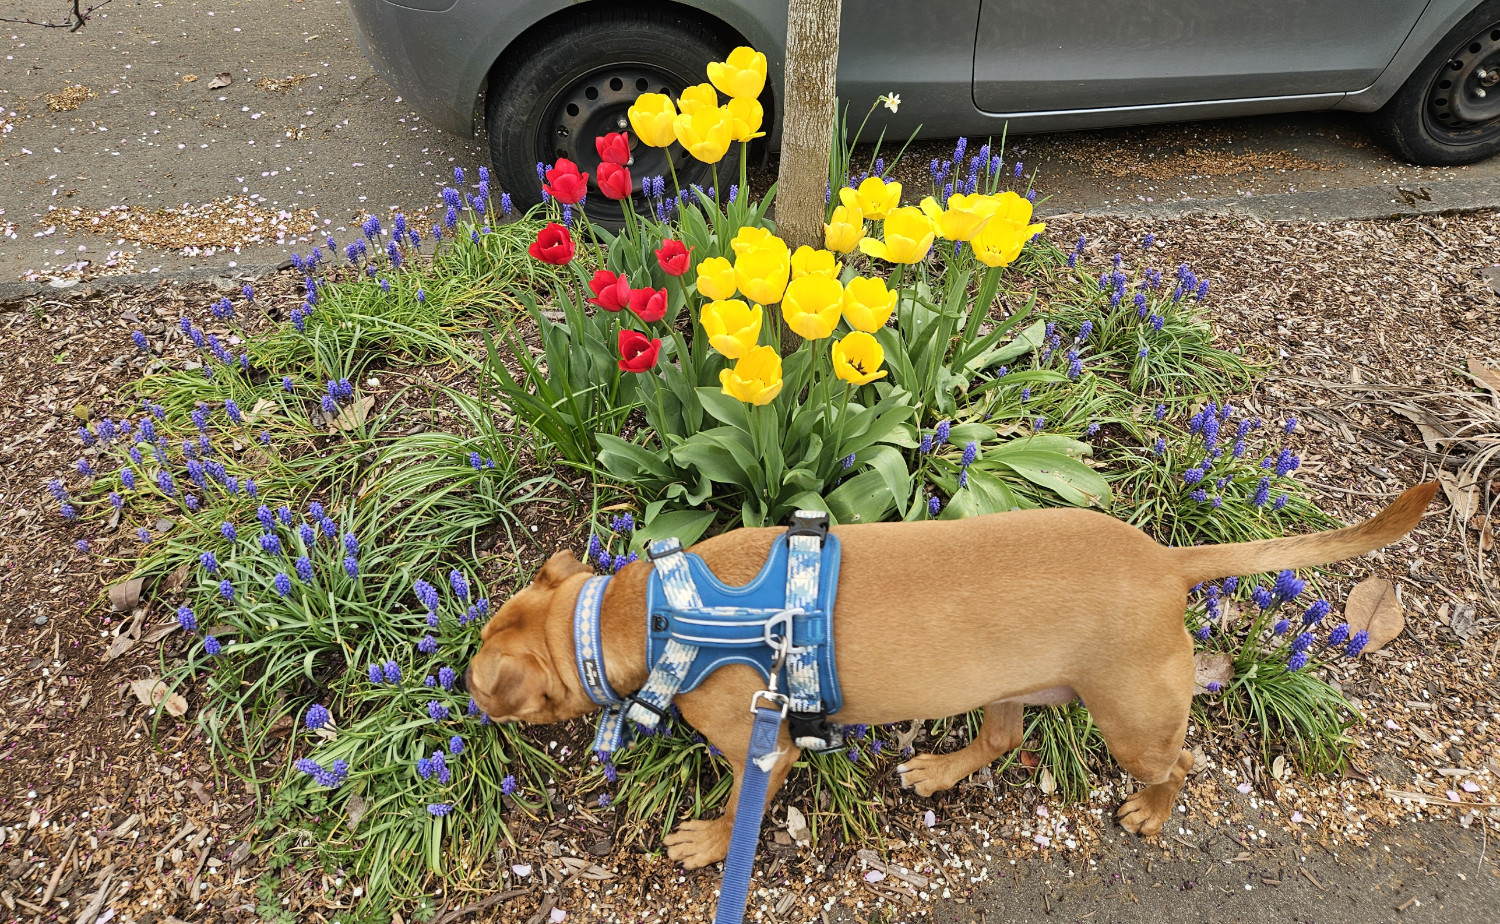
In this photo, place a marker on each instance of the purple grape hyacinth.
(317, 716)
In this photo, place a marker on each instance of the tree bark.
(808, 113)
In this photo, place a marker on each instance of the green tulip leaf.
(865, 498)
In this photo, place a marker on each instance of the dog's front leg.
(699, 842)
(930, 773)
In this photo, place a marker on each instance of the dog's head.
(513, 677)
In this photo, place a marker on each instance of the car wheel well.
(557, 25)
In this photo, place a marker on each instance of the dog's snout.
(463, 679)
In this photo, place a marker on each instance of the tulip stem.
(838, 447)
(672, 168)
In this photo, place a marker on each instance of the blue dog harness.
(699, 624)
(783, 619)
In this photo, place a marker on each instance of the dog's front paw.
(697, 843)
(1143, 812)
(928, 773)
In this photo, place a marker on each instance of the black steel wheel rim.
(1463, 101)
(597, 103)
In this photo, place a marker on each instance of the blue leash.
(734, 893)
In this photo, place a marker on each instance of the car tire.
(1448, 111)
(576, 81)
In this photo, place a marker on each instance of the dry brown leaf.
(263, 406)
(1481, 524)
(1488, 376)
(1211, 668)
(152, 692)
(1464, 498)
(176, 579)
(220, 80)
(1372, 607)
(354, 811)
(125, 595)
(354, 415)
(796, 826)
(904, 739)
(1431, 436)
(121, 644)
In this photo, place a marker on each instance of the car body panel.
(440, 55)
(1053, 56)
(1440, 17)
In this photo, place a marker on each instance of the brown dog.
(933, 619)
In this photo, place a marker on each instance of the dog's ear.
(561, 566)
(521, 684)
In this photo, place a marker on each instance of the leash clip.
(778, 699)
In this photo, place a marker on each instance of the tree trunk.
(808, 113)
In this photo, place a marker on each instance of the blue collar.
(588, 647)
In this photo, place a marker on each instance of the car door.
(1088, 54)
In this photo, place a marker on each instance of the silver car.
(556, 73)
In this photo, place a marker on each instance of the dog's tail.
(1207, 562)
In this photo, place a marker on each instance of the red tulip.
(614, 181)
(611, 292)
(613, 148)
(637, 353)
(649, 305)
(553, 245)
(565, 183)
(674, 257)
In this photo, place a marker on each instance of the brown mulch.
(1338, 309)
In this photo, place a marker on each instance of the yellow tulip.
(761, 274)
(716, 278)
(875, 197)
(747, 115)
(809, 262)
(751, 238)
(868, 304)
(843, 233)
(857, 358)
(732, 326)
(812, 306)
(1007, 231)
(964, 218)
(755, 378)
(706, 133)
(908, 237)
(699, 96)
(651, 117)
(743, 76)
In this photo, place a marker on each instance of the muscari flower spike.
(317, 717)
(1357, 644)
(211, 646)
(187, 619)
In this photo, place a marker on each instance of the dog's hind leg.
(930, 773)
(1143, 714)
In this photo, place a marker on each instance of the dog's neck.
(622, 628)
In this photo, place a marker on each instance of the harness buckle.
(780, 699)
(809, 523)
(635, 699)
(662, 548)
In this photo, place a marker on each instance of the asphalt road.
(304, 124)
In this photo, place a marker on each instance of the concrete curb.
(1359, 203)
(11, 292)
(1352, 204)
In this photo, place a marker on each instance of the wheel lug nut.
(621, 123)
(1479, 92)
